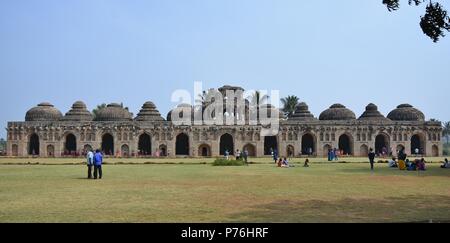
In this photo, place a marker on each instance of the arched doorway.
(108, 144)
(326, 150)
(33, 145)
(15, 150)
(290, 151)
(382, 144)
(435, 151)
(226, 144)
(182, 144)
(204, 150)
(250, 149)
(125, 150)
(364, 151)
(71, 144)
(145, 144)
(270, 145)
(308, 147)
(162, 150)
(417, 143)
(345, 145)
(50, 151)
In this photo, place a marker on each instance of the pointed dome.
(149, 113)
(302, 113)
(43, 112)
(406, 112)
(337, 112)
(113, 112)
(372, 113)
(78, 112)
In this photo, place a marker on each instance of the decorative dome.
(302, 113)
(337, 112)
(406, 112)
(180, 110)
(372, 113)
(113, 112)
(78, 112)
(149, 113)
(43, 112)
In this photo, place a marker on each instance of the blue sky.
(352, 52)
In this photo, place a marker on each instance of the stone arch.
(290, 151)
(226, 143)
(125, 150)
(204, 150)
(364, 150)
(33, 144)
(182, 144)
(308, 144)
(15, 150)
(108, 144)
(251, 149)
(145, 144)
(382, 144)
(435, 151)
(50, 151)
(163, 150)
(418, 142)
(270, 144)
(346, 144)
(326, 149)
(70, 144)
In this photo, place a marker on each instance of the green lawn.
(195, 192)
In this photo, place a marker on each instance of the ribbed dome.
(337, 112)
(149, 113)
(113, 112)
(406, 112)
(302, 113)
(43, 112)
(180, 110)
(78, 112)
(372, 113)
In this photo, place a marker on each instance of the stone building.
(46, 132)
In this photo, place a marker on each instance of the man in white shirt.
(90, 162)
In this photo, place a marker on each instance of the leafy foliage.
(2, 144)
(446, 130)
(99, 107)
(289, 104)
(225, 162)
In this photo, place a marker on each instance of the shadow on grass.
(399, 209)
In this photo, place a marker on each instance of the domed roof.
(78, 112)
(406, 112)
(180, 110)
(372, 113)
(302, 113)
(113, 112)
(149, 113)
(43, 112)
(337, 112)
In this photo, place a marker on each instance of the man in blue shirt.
(98, 160)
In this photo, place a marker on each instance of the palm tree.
(257, 98)
(289, 104)
(446, 130)
(99, 107)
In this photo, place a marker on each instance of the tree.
(2, 144)
(435, 21)
(99, 107)
(289, 104)
(446, 130)
(257, 98)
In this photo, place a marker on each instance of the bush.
(225, 162)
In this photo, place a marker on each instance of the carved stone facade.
(47, 133)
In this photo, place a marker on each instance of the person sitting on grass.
(421, 164)
(412, 165)
(285, 163)
(446, 164)
(280, 162)
(306, 163)
(392, 163)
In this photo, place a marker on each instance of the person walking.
(90, 162)
(98, 160)
(371, 158)
(245, 155)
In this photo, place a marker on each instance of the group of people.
(446, 164)
(94, 160)
(238, 154)
(333, 154)
(403, 163)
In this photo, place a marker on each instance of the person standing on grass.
(90, 162)
(245, 155)
(98, 160)
(371, 158)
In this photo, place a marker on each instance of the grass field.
(168, 191)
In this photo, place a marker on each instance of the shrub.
(225, 162)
